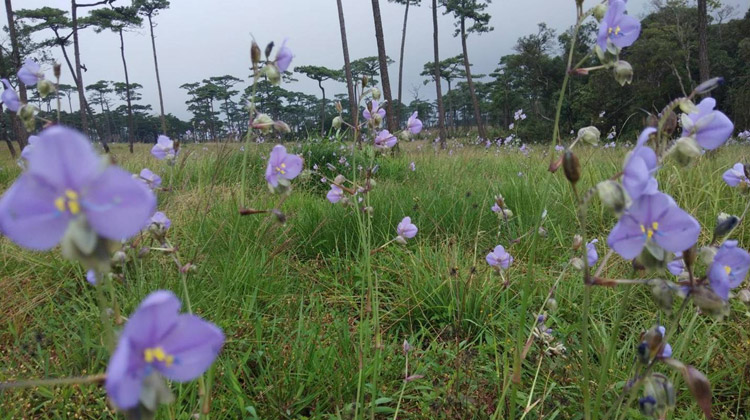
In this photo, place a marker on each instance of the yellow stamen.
(157, 354)
(60, 203)
(283, 165)
(728, 269)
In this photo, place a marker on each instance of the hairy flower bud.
(339, 108)
(339, 180)
(281, 127)
(577, 242)
(599, 11)
(613, 195)
(552, 304)
(708, 85)
(577, 263)
(572, 167)
(272, 73)
(589, 135)
(687, 106)
(686, 149)
(623, 72)
(709, 302)
(255, 53)
(376, 94)
(57, 70)
(337, 122)
(263, 123)
(27, 114)
(663, 294)
(725, 223)
(269, 48)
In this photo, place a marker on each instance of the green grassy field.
(291, 298)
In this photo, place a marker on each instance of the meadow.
(291, 292)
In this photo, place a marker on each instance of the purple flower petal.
(194, 344)
(30, 73)
(123, 383)
(735, 175)
(28, 215)
(153, 319)
(64, 158)
(118, 206)
(283, 57)
(10, 97)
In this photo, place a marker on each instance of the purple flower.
(164, 148)
(617, 28)
(413, 166)
(151, 179)
(336, 194)
(374, 110)
(655, 218)
(26, 152)
(283, 57)
(496, 208)
(385, 140)
(729, 268)
(30, 73)
(559, 148)
(710, 128)
(158, 339)
(734, 176)
(639, 169)
(67, 180)
(405, 230)
(414, 125)
(10, 97)
(499, 258)
(677, 265)
(666, 351)
(160, 220)
(591, 253)
(282, 167)
(91, 277)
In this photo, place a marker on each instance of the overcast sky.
(197, 39)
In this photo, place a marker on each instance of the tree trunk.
(383, 60)
(475, 102)
(7, 140)
(441, 111)
(131, 128)
(322, 110)
(401, 63)
(451, 109)
(18, 128)
(79, 75)
(158, 80)
(353, 108)
(703, 67)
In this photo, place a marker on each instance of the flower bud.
(365, 80)
(709, 302)
(725, 223)
(686, 149)
(577, 242)
(27, 114)
(400, 240)
(707, 254)
(337, 122)
(339, 108)
(339, 180)
(708, 85)
(57, 70)
(599, 11)
(119, 258)
(552, 304)
(272, 73)
(403, 136)
(376, 94)
(281, 127)
(269, 48)
(662, 293)
(255, 53)
(542, 232)
(507, 213)
(577, 263)
(589, 135)
(263, 123)
(612, 195)
(687, 106)
(572, 167)
(623, 72)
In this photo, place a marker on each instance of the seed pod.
(56, 70)
(572, 167)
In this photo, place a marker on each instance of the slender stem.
(109, 335)
(32, 383)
